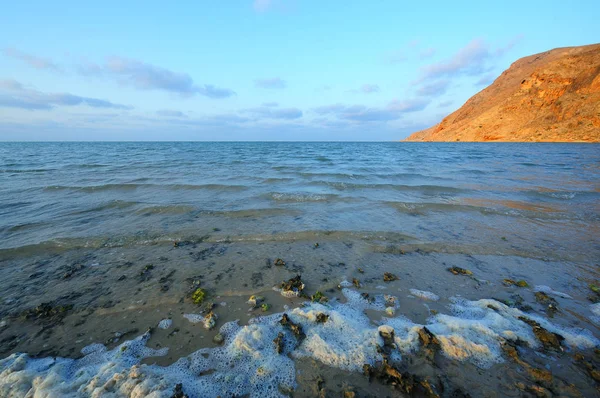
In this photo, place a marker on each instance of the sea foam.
(248, 362)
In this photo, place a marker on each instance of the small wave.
(430, 189)
(131, 187)
(18, 171)
(302, 197)
(252, 213)
(275, 180)
(87, 166)
(166, 209)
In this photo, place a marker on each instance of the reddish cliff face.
(552, 96)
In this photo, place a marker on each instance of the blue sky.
(261, 69)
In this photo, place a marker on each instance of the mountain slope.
(551, 96)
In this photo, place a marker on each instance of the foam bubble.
(194, 318)
(425, 295)
(165, 324)
(248, 362)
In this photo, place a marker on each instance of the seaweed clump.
(460, 271)
(319, 297)
(178, 392)
(293, 287)
(322, 317)
(549, 340)
(210, 320)
(550, 303)
(594, 297)
(47, 311)
(389, 277)
(279, 343)
(198, 296)
(279, 262)
(295, 328)
(403, 381)
(519, 283)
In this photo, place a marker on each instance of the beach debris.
(460, 271)
(362, 271)
(319, 297)
(405, 382)
(279, 262)
(295, 328)
(389, 277)
(279, 343)
(356, 282)
(210, 320)
(254, 301)
(292, 287)
(549, 340)
(519, 283)
(198, 296)
(316, 245)
(322, 317)
(178, 392)
(218, 339)
(265, 307)
(390, 311)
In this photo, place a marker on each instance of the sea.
(100, 241)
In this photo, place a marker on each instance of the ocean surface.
(101, 241)
(65, 195)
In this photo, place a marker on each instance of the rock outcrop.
(553, 96)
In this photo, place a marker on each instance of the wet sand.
(111, 295)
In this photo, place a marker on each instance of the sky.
(244, 70)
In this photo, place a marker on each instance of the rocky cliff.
(551, 96)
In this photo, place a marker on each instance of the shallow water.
(80, 223)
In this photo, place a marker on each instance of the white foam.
(165, 324)
(425, 295)
(550, 291)
(595, 308)
(194, 318)
(248, 363)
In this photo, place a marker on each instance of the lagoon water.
(114, 237)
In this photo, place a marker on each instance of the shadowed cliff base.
(553, 96)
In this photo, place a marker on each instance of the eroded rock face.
(551, 96)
